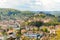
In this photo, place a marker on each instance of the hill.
(56, 13)
(7, 13)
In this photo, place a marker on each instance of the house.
(46, 20)
(23, 30)
(1, 38)
(57, 26)
(52, 31)
(33, 35)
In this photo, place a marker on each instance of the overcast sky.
(32, 5)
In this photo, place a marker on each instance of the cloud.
(34, 5)
(51, 5)
(47, 5)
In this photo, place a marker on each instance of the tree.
(11, 38)
(4, 32)
(52, 23)
(0, 27)
(37, 24)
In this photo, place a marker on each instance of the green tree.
(37, 24)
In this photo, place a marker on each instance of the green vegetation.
(31, 22)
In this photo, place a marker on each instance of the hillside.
(7, 13)
(56, 13)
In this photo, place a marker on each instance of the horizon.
(31, 5)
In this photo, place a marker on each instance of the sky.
(31, 5)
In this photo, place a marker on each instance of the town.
(36, 27)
